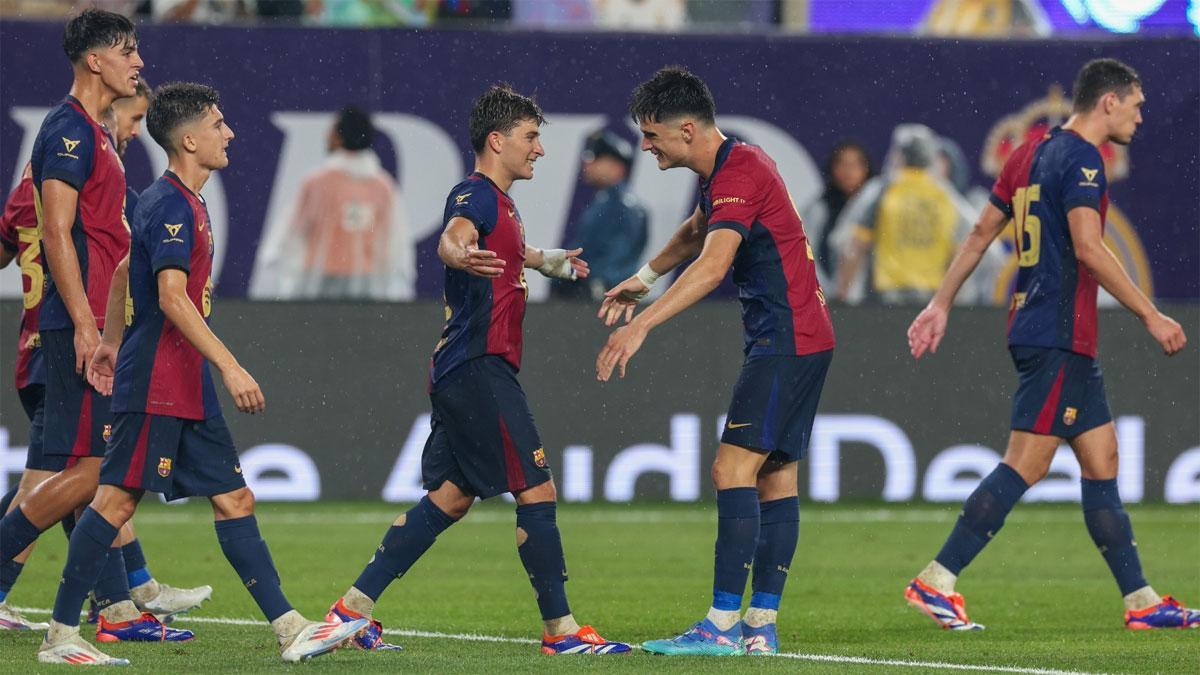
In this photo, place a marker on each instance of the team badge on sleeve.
(164, 466)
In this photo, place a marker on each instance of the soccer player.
(745, 219)
(484, 442)
(78, 188)
(169, 435)
(1055, 190)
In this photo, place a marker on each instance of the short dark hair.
(143, 89)
(500, 109)
(672, 92)
(176, 104)
(354, 128)
(1099, 77)
(96, 28)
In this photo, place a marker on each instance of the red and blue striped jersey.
(783, 307)
(1054, 300)
(484, 316)
(158, 371)
(20, 233)
(77, 150)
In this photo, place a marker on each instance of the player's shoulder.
(474, 194)
(69, 121)
(746, 162)
(162, 202)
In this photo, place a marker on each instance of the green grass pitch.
(644, 571)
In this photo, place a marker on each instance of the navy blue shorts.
(774, 404)
(33, 399)
(77, 418)
(483, 438)
(173, 456)
(1060, 393)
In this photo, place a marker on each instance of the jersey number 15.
(1028, 226)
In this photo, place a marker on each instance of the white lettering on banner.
(577, 474)
(680, 462)
(1131, 471)
(830, 431)
(12, 460)
(404, 481)
(1183, 478)
(945, 480)
(298, 479)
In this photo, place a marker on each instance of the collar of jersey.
(722, 155)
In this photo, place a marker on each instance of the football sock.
(288, 624)
(61, 632)
(565, 625)
(757, 617)
(6, 501)
(9, 572)
(136, 569)
(87, 556)
(357, 601)
(737, 539)
(540, 547)
(778, 532)
(723, 619)
(982, 517)
(112, 586)
(68, 524)
(937, 576)
(1112, 532)
(16, 534)
(246, 551)
(405, 542)
(1141, 599)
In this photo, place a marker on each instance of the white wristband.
(647, 276)
(556, 264)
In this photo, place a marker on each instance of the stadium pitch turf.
(640, 572)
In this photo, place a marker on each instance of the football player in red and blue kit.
(484, 442)
(1055, 191)
(745, 220)
(168, 434)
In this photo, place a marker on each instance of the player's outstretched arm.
(1087, 236)
(103, 365)
(926, 331)
(59, 204)
(458, 248)
(686, 243)
(175, 304)
(700, 278)
(557, 263)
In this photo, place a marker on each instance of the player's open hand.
(621, 346)
(579, 266)
(86, 339)
(926, 331)
(559, 263)
(102, 367)
(1167, 332)
(622, 299)
(244, 390)
(481, 262)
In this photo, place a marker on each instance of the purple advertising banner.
(794, 96)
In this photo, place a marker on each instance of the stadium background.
(345, 381)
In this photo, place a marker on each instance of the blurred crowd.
(941, 17)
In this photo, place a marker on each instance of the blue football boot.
(145, 628)
(761, 641)
(703, 639)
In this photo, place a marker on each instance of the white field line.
(475, 637)
(701, 515)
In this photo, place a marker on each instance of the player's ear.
(187, 143)
(495, 141)
(92, 61)
(688, 129)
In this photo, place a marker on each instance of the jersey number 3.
(1028, 226)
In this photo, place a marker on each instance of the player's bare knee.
(231, 505)
(451, 500)
(116, 505)
(544, 492)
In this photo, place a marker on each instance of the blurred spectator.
(662, 15)
(375, 13)
(201, 11)
(553, 13)
(725, 15)
(280, 9)
(614, 226)
(475, 10)
(911, 220)
(36, 9)
(986, 18)
(345, 238)
(846, 171)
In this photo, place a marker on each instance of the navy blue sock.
(1110, 528)
(112, 586)
(982, 517)
(9, 572)
(136, 570)
(16, 534)
(402, 546)
(778, 532)
(246, 551)
(87, 555)
(68, 525)
(6, 501)
(737, 539)
(542, 555)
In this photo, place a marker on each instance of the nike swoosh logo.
(731, 425)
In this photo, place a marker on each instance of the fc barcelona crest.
(539, 457)
(107, 434)
(164, 466)
(1069, 416)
